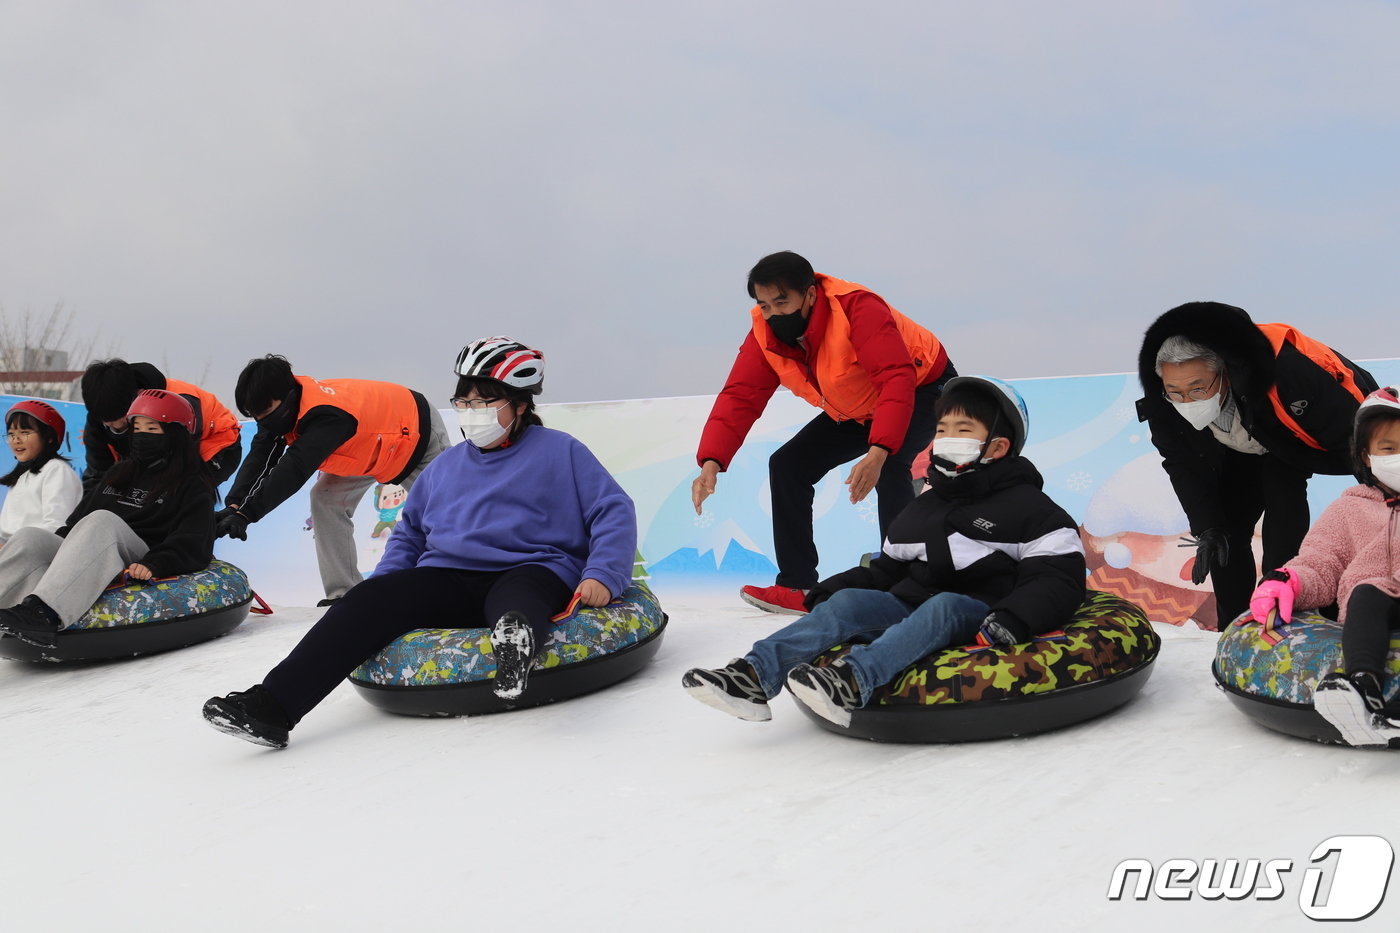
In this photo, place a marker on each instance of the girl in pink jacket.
(1351, 557)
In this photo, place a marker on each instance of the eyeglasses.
(19, 435)
(476, 404)
(1198, 394)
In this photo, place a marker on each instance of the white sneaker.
(1354, 714)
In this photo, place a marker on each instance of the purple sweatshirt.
(545, 499)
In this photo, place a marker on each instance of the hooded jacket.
(1318, 393)
(991, 534)
(1353, 542)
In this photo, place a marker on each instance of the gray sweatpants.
(333, 503)
(68, 574)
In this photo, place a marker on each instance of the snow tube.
(448, 672)
(145, 618)
(1099, 661)
(1273, 683)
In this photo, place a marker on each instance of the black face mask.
(788, 327)
(281, 419)
(152, 451)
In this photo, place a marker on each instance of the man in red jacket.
(875, 375)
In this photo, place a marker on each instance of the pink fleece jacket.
(1350, 544)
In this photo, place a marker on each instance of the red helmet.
(165, 407)
(42, 412)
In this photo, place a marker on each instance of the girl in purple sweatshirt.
(500, 532)
(1350, 558)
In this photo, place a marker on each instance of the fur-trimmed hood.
(1229, 331)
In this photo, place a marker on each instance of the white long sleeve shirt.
(45, 499)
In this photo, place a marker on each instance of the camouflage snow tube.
(1273, 684)
(448, 671)
(1099, 661)
(144, 618)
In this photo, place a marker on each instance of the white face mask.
(1199, 414)
(958, 450)
(1387, 470)
(482, 428)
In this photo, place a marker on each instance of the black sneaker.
(513, 645)
(830, 692)
(32, 622)
(253, 715)
(1356, 706)
(732, 689)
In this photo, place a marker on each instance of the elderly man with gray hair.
(1243, 414)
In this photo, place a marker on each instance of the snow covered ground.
(638, 808)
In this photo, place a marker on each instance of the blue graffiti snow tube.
(448, 671)
(1270, 676)
(145, 618)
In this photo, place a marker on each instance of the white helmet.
(1009, 402)
(1384, 402)
(503, 359)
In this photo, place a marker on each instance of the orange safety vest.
(843, 388)
(388, 433)
(219, 429)
(1321, 355)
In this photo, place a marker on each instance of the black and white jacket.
(991, 534)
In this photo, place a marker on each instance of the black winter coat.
(991, 534)
(1317, 400)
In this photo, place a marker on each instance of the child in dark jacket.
(983, 550)
(150, 515)
(1350, 558)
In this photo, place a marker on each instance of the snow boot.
(513, 645)
(32, 622)
(732, 689)
(253, 715)
(830, 692)
(1355, 704)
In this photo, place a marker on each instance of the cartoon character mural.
(388, 499)
(1135, 542)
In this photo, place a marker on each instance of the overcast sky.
(365, 186)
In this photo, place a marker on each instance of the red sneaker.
(775, 598)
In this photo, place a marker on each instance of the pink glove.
(1274, 594)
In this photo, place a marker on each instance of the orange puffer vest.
(842, 387)
(1322, 355)
(219, 429)
(388, 432)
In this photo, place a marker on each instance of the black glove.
(230, 523)
(1212, 550)
(1002, 629)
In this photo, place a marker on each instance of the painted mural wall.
(1097, 460)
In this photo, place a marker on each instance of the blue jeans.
(901, 635)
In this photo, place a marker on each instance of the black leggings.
(1371, 617)
(374, 613)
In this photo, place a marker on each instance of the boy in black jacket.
(983, 551)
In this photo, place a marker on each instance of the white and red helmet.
(1382, 403)
(503, 359)
(165, 407)
(42, 412)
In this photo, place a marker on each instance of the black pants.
(1371, 617)
(225, 462)
(822, 445)
(1251, 486)
(372, 614)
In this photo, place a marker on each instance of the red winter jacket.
(881, 357)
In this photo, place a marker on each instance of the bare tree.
(43, 354)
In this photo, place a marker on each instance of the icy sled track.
(638, 808)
